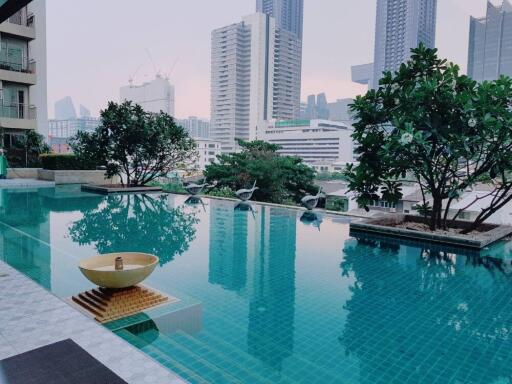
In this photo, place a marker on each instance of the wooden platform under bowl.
(105, 305)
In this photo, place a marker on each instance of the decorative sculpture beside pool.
(118, 270)
(246, 194)
(195, 189)
(310, 202)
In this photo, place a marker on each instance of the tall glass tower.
(288, 15)
(490, 43)
(401, 25)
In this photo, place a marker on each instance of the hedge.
(56, 162)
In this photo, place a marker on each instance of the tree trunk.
(435, 220)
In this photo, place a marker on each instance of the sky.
(96, 46)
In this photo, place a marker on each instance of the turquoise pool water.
(267, 296)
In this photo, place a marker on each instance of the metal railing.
(25, 66)
(18, 111)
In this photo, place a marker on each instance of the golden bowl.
(101, 271)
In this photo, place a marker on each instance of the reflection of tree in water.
(441, 316)
(137, 223)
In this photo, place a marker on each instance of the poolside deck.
(25, 183)
(31, 317)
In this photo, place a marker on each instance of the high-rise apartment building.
(153, 96)
(490, 43)
(256, 73)
(196, 128)
(401, 25)
(288, 15)
(23, 73)
(242, 75)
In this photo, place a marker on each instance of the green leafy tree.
(32, 144)
(137, 145)
(142, 222)
(429, 125)
(279, 178)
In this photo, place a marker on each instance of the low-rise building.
(315, 141)
(208, 150)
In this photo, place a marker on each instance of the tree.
(146, 223)
(279, 178)
(440, 130)
(136, 145)
(33, 145)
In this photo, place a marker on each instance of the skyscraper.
(288, 15)
(400, 26)
(65, 109)
(490, 43)
(242, 72)
(154, 96)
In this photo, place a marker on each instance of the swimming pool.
(269, 296)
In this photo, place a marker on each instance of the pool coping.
(32, 317)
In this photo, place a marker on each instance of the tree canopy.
(279, 178)
(135, 144)
(430, 125)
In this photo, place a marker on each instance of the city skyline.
(330, 46)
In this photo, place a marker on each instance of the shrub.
(66, 162)
(222, 192)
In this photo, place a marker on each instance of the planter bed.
(396, 225)
(115, 188)
(75, 176)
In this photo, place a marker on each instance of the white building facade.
(255, 77)
(400, 26)
(153, 96)
(315, 141)
(208, 150)
(23, 88)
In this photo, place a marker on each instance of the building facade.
(314, 141)
(401, 25)
(23, 102)
(208, 150)
(490, 43)
(256, 70)
(242, 72)
(288, 16)
(65, 109)
(153, 96)
(61, 130)
(196, 128)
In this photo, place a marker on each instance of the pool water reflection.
(270, 296)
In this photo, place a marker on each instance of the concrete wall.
(22, 173)
(76, 177)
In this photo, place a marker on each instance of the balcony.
(21, 24)
(18, 116)
(23, 72)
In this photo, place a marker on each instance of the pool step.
(182, 354)
(161, 357)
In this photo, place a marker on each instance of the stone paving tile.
(6, 349)
(31, 317)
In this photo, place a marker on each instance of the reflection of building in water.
(228, 246)
(272, 288)
(23, 210)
